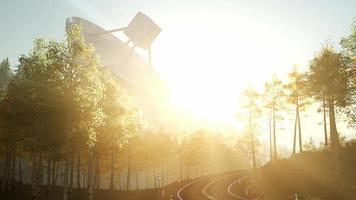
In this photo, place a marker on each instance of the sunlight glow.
(206, 68)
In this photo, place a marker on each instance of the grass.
(311, 175)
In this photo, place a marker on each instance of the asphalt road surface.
(226, 186)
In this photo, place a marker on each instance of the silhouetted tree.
(328, 79)
(249, 102)
(274, 101)
(296, 95)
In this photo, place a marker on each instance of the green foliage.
(296, 89)
(274, 94)
(61, 102)
(349, 42)
(349, 56)
(55, 93)
(5, 73)
(116, 109)
(328, 80)
(328, 77)
(250, 100)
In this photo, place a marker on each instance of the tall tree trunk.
(163, 176)
(112, 171)
(252, 140)
(6, 172)
(71, 179)
(324, 122)
(66, 177)
(334, 138)
(34, 177)
(98, 175)
(295, 133)
(85, 185)
(20, 170)
(13, 172)
(57, 167)
(270, 138)
(119, 180)
(48, 171)
(90, 175)
(147, 178)
(78, 170)
(128, 170)
(136, 176)
(95, 181)
(40, 169)
(300, 131)
(154, 178)
(92, 172)
(54, 173)
(181, 171)
(274, 132)
(48, 192)
(166, 177)
(97, 172)
(188, 172)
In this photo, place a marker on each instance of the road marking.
(187, 185)
(205, 188)
(233, 183)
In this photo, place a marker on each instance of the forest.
(67, 125)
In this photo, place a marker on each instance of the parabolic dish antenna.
(142, 31)
(134, 73)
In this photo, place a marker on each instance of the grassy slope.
(311, 174)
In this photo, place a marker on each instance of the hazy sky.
(207, 50)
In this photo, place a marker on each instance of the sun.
(206, 69)
(204, 80)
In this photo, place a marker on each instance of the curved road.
(214, 187)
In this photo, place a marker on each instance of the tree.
(349, 43)
(5, 73)
(84, 89)
(193, 153)
(250, 98)
(116, 109)
(243, 150)
(274, 102)
(31, 95)
(296, 95)
(349, 56)
(54, 97)
(324, 109)
(328, 79)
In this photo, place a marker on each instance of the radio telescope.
(141, 31)
(133, 72)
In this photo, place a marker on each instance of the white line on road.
(205, 188)
(232, 184)
(187, 185)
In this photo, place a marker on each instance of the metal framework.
(141, 32)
